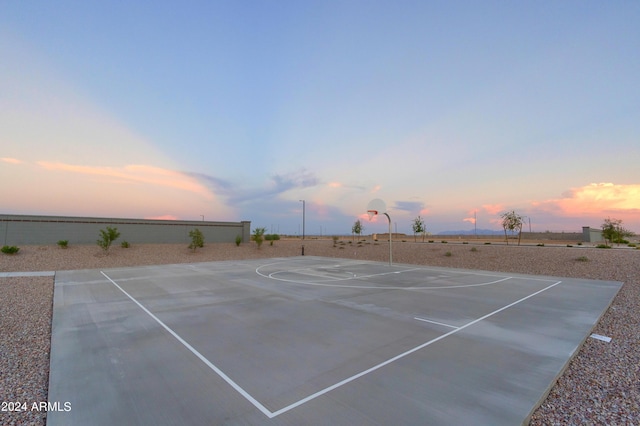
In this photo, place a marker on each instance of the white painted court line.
(435, 322)
(323, 283)
(270, 414)
(410, 351)
(208, 363)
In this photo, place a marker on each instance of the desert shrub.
(258, 236)
(540, 245)
(465, 242)
(335, 240)
(444, 242)
(10, 249)
(125, 244)
(487, 243)
(107, 236)
(448, 254)
(569, 245)
(430, 241)
(631, 245)
(238, 240)
(197, 239)
(579, 244)
(63, 243)
(474, 249)
(603, 246)
(582, 259)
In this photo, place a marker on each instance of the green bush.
(474, 249)
(258, 236)
(603, 246)
(238, 240)
(10, 249)
(125, 244)
(107, 236)
(63, 243)
(197, 239)
(448, 254)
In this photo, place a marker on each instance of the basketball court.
(312, 340)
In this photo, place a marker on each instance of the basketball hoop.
(375, 206)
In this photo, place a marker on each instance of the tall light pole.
(303, 214)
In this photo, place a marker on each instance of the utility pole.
(303, 214)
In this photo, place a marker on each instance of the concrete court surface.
(312, 340)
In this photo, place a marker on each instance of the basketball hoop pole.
(390, 255)
(373, 208)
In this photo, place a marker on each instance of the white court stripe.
(270, 414)
(410, 351)
(435, 322)
(219, 372)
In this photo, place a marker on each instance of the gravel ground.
(601, 385)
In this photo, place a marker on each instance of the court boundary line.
(271, 414)
(356, 277)
(193, 350)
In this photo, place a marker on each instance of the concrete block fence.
(18, 230)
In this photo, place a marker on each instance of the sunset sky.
(237, 110)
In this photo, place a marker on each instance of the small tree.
(614, 232)
(107, 236)
(418, 228)
(357, 228)
(512, 221)
(197, 239)
(258, 236)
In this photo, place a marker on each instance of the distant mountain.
(472, 232)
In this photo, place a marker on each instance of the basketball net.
(372, 213)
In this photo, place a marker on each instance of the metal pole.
(303, 214)
(390, 251)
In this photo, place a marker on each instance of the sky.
(454, 111)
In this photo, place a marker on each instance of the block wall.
(39, 230)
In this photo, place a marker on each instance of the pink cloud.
(163, 217)
(11, 160)
(135, 173)
(493, 208)
(595, 199)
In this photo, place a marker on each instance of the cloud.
(135, 173)
(11, 160)
(493, 208)
(163, 217)
(595, 199)
(278, 185)
(409, 206)
(471, 220)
